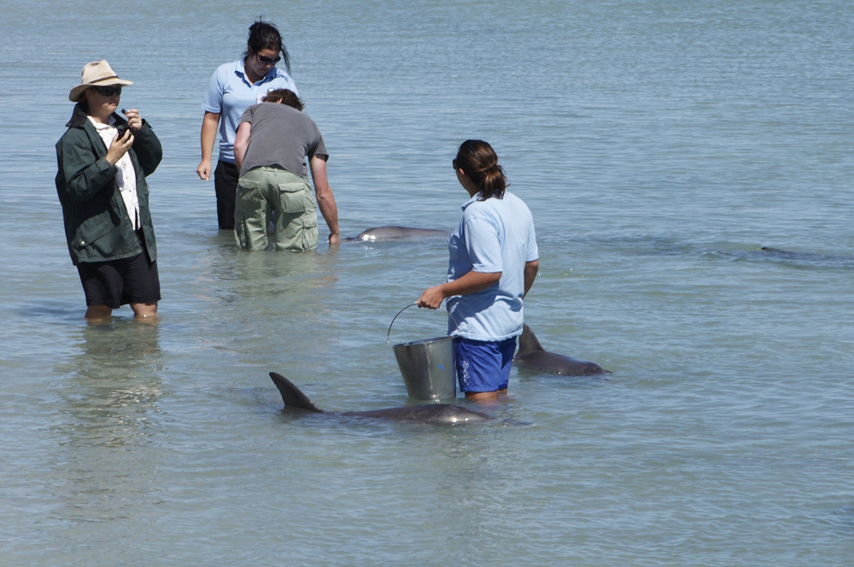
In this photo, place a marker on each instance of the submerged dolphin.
(532, 355)
(815, 258)
(380, 233)
(443, 414)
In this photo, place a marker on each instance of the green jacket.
(97, 225)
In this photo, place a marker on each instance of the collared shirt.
(495, 235)
(125, 176)
(230, 93)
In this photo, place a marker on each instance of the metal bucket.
(427, 366)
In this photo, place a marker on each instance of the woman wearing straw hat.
(494, 261)
(103, 161)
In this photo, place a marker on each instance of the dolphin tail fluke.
(291, 395)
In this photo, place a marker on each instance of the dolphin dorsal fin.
(291, 395)
(528, 341)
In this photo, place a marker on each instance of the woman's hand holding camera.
(123, 139)
(134, 119)
(121, 144)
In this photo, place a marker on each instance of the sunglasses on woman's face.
(109, 91)
(267, 61)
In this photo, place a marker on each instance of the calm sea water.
(660, 146)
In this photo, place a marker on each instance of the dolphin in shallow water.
(532, 355)
(809, 258)
(380, 233)
(442, 414)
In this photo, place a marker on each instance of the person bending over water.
(231, 90)
(493, 263)
(273, 140)
(103, 161)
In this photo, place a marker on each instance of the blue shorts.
(483, 366)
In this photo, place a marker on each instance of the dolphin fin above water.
(291, 395)
(442, 414)
(532, 355)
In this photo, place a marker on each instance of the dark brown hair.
(478, 161)
(264, 35)
(284, 96)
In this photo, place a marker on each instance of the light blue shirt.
(230, 93)
(496, 235)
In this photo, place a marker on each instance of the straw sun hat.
(96, 74)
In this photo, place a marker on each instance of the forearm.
(472, 282)
(85, 184)
(83, 174)
(329, 210)
(209, 126)
(325, 198)
(239, 154)
(531, 269)
(241, 143)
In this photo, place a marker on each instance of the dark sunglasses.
(454, 163)
(267, 61)
(109, 91)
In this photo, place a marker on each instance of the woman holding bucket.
(493, 263)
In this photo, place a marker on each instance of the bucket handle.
(388, 335)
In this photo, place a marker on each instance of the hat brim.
(77, 92)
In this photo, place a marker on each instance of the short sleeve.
(213, 97)
(483, 246)
(288, 81)
(533, 252)
(317, 147)
(247, 115)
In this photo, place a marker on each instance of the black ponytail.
(479, 162)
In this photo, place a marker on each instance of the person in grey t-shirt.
(273, 140)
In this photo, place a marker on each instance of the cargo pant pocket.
(250, 213)
(299, 234)
(294, 198)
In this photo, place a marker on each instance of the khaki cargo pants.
(270, 189)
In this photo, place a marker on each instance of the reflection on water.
(114, 382)
(108, 413)
(233, 276)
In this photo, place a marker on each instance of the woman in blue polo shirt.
(493, 263)
(233, 88)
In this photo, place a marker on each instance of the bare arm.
(325, 198)
(241, 142)
(531, 269)
(209, 125)
(472, 282)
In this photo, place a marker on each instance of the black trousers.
(225, 185)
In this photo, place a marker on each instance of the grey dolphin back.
(291, 395)
(444, 414)
(381, 233)
(532, 355)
